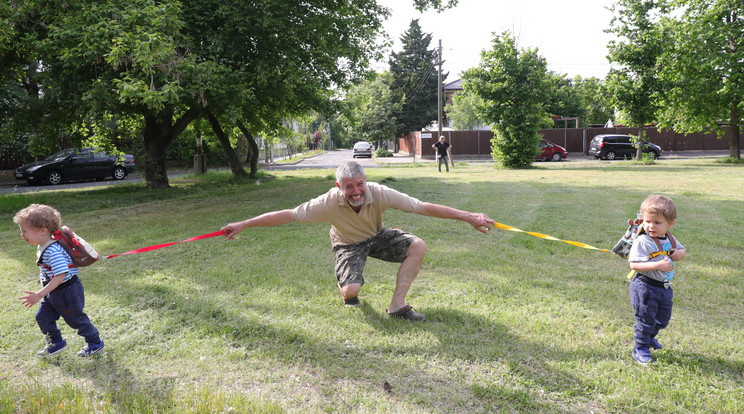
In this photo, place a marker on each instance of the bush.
(730, 160)
(382, 152)
(647, 158)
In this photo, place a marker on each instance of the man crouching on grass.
(354, 208)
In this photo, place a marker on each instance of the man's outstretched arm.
(273, 218)
(478, 220)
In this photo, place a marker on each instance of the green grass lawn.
(514, 323)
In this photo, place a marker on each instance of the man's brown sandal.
(352, 302)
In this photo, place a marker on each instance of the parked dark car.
(612, 146)
(73, 165)
(551, 151)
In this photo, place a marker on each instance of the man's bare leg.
(407, 273)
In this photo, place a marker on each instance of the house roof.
(453, 86)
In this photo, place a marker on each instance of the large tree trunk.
(735, 131)
(253, 149)
(160, 131)
(232, 158)
(639, 144)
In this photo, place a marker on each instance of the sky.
(569, 34)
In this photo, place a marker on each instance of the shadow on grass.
(461, 337)
(122, 389)
(733, 370)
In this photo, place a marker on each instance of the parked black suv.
(613, 146)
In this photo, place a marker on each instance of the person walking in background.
(443, 153)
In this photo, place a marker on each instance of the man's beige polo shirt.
(347, 226)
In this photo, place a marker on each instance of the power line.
(422, 81)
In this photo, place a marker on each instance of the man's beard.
(357, 203)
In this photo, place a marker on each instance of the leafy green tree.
(702, 69)
(115, 57)
(513, 84)
(339, 135)
(564, 100)
(167, 63)
(463, 111)
(183, 149)
(635, 86)
(438, 5)
(595, 100)
(370, 110)
(290, 133)
(414, 80)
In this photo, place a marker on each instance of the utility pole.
(439, 92)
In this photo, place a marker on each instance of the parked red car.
(551, 151)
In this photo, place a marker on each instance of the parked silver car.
(363, 149)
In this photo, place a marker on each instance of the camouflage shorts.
(390, 245)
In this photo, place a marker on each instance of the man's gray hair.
(349, 169)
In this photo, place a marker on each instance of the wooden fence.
(478, 143)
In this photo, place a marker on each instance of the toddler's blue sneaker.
(52, 348)
(91, 349)
(643, 356)
(654, 344)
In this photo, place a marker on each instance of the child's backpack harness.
(635, 229)
(81, 253)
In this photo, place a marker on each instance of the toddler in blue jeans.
(62, 292)
(652, 256)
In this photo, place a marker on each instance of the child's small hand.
(678, 254)
(665, 265)
(30, 299)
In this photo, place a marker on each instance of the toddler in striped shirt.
(62, 293)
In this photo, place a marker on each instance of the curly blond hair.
(40, 216)
(659, 204)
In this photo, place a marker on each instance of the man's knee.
(351, 290)
(417, 248)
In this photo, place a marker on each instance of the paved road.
(329, 160)
(23, 187)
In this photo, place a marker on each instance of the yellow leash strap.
(630, 276)
(545, 236)
(664, 253)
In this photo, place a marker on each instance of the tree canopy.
(680, 65)
(595, 100)
(414, 80)
(514, 86)
(463, 111)
(370, 110)
(564, 100)
(702, 68)
(165, 63)
(635, 86)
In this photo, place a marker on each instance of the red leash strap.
(160, 246)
